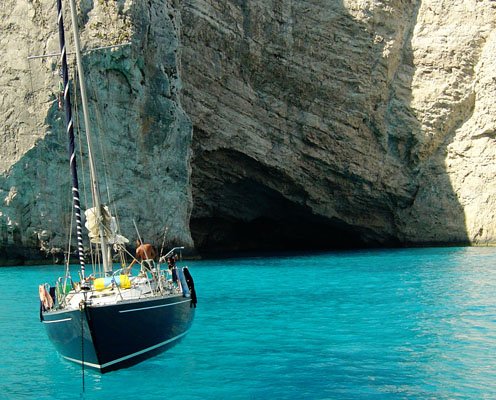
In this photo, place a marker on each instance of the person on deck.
(145, 253)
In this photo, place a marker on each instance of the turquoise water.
(395, 324)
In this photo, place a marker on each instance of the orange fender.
(45, 297)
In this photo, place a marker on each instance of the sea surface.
(382, 324)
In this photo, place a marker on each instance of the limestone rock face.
(142, 134)
(340, 123)
(453, 93)
(313, 123)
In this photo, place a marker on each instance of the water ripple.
(403, 324)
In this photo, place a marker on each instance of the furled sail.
(109, 224)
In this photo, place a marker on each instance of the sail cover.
(109, 224)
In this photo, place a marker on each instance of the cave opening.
(248, 217)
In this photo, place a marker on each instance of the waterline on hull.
(56, 321)
(129, 356)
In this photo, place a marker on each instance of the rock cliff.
(353, 122)
(314, 123)
(143, 134)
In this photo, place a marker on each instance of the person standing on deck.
(145, 253)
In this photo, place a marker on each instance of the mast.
(70, 136)
(107, 267)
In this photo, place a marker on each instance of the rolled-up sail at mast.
(107, 222)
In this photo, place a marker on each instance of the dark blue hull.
(111, 337)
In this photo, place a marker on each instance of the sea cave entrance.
(249, 217)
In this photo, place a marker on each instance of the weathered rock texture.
(143, 135)
(315, 123)
(341, 123)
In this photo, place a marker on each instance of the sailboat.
(111, 319)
